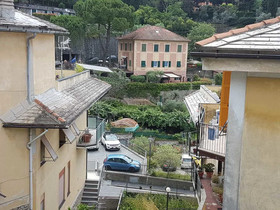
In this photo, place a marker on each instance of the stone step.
(90, 193)
(92, 181)
(90, 189)
(90, 198)
(91, 185)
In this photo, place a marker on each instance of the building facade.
(41, 118)
(153, 48)
(251, 54)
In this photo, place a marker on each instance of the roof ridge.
(48, 110)
(237, 31)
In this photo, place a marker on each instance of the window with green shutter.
(178, 63)
(129, 62)
(169, 64)
(143, 47)
(125, 46)
(179, 48)
(156, 48)
(158, 64)
(167, 48)
(121, 47)
(130, 46)
(143, 63)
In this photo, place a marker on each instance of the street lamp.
(167, 189)
(150, 150)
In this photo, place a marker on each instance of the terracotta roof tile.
(254, 26)
(153, 33)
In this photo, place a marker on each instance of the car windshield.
(129, 160)
(111, 137)
(186, 160)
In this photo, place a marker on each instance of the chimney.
(7, 10)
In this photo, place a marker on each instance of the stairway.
(90, 194)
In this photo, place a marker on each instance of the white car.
(186, 161)
(110, 141)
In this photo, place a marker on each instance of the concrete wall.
(259, 173)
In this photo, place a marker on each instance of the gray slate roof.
(262, 36)
(54, 109)
(22, 22)
(192, 101)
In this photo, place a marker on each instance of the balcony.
(90, 138)
(212, 141)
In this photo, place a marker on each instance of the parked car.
(110, 141)
(165, 167)
(121, 162)
(186, 161)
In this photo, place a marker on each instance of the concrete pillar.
(234, 140)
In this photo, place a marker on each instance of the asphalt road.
(99, 156)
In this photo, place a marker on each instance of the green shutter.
(179, 48)
(169, 64)
(156, 48)
(167, 48)
(152, 64)
(158, 63)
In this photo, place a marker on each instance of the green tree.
(218, 79)
(105, 17)
(148, 15)
(200, 32)
(168, 155)
(154, 76)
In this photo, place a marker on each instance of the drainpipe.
(30, 88)
(29, 147)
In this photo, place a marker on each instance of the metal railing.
(212, 139)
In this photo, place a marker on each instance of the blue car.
(121, 163)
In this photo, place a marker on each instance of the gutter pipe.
(29, 147)
(234, 55)
(30, 88)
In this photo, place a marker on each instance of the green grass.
(171, 175)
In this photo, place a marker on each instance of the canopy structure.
(128, 124)
(95, 68)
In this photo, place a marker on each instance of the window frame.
(143, 64)
(155, 47)
(167, 48)
(61, 174)
(144, 48)
(179, 47)
(125, 46)
(180, 65)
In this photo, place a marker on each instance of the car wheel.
(108, 168)
(106, 148)
(131, 169)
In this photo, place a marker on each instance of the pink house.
(153, 48)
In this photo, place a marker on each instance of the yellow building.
(153, 48)
(252, 56)
(41, 118)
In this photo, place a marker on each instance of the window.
(143, 63)
(167, 48)
(155, 64)
(178, 63)
(165, 63)
(121, 46)
(42, 150)
(129, 62)
(62, 139)
(156, 48)
(130, 47)
(179, 49)
(68, 167)
(143, 47)
(125, 46)
(61, 195)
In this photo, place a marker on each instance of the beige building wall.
(259, 173)
(14, 155)
(136, 55)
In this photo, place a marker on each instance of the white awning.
(69, 134)
(170, 75)
(95, 68)
(49, 147)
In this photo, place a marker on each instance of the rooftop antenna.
(63, 44)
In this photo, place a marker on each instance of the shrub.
(219, 190)
(209, 167)
(171, 175)
(139, 78)
(167, 155)
(196, 78)
(85, 207)
(171, 105)
(154, 76)
(215, 179)
(218, 79)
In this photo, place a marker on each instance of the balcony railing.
(96, 128)
(212, 139)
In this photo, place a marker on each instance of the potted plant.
(200, 172)
(209, 169)
(86, 136)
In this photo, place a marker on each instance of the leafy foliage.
(133, 201)
(218, 79)
(154, 76)
(170, 106)
(79, 68)
(139, 78)
(167, 155)
(146, 116)
(171, 175)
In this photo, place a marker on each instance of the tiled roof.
(153, 33)
(264, 35)
(22, 22)
(54, 109)
(192, 101)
